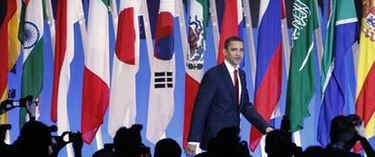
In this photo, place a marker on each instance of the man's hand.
(269, 129)
(3, 131)
(191, 149)
(360, 130)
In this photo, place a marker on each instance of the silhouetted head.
(167, 147)
(355, 119)
(128, 141)
(227, 143)
(105, 152)
(314, 151)
(342, 131)
(35, 138)
(278, 143)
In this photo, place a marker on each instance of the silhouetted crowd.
(36, 139)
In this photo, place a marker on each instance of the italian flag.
(95, 98)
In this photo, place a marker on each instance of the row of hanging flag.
(22, 25)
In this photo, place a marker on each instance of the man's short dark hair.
(230, 39)
(342, 129)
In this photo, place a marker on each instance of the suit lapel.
(243, 88)
(227, 80)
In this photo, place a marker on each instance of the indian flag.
(33, 31)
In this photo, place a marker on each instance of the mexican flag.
(199, 16)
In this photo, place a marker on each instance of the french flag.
(269, 64)
(161, 101)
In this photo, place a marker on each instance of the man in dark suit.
(221, 98)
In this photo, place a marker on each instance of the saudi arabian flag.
(301, 85)
(32, 44)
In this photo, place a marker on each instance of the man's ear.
(225, 52)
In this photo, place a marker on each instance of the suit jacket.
(215, 106)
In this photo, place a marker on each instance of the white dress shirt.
(231, 70)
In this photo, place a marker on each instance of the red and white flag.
(68, 12)
(232, 17)
(95, 96)
(122, 110)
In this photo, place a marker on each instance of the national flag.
(160, 109)
(365, 85)
(301, 72)
(122, 110)
(8, 53)
(232, 17)
(289, 9)
(269, 65)
(340, 36)
(199, 16)
(14, 44)
(95, 96)
(68, 12)
(32, 45)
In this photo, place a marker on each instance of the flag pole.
(285, 38)
(146, 24)
(114, 16)
(182, 23)
(318, 37)
(215, 26)
(99, 139)
(82, 25)
(250, 34)
(51, 23)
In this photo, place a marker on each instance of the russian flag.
(269, 64)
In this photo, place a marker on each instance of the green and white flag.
(301, 84)
(33, 31)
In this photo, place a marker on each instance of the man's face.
(234, 53)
